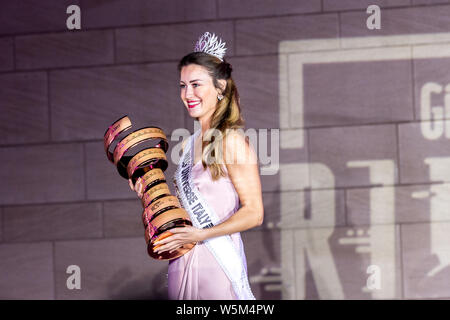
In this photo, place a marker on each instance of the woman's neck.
(205, 124)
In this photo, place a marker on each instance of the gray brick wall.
(63, 204)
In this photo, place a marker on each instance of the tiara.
(209, 43)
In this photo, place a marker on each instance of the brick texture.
(419, 155)
(6, 54)
(330, 5)
(1, 225)
(426, 260)
(123, 219)
(99, 13)
(166, 42)
(24, 106)
(430, 80)
(255, 8)
(65, 49)
(144, 93)
(336, 147)
(432, 19)
(110, 269)
(30, 271)
(262, 36)
(58, 167)
(52, 222)
(349, 93)
(30, 16)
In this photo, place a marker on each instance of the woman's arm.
(242, 165)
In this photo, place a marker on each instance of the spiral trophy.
(142, 154)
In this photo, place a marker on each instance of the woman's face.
(198, 92)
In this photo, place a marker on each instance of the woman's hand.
(137, 187)
(180, 236)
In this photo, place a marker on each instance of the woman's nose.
(189, 92)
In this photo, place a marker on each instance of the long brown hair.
(227, 114)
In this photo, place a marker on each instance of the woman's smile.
(193, 103)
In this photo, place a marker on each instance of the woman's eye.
(182, 86)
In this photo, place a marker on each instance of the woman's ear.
(222, 85)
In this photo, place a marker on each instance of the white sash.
(203, 216)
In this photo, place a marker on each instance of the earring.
(220, 97)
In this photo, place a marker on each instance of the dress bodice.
(219, 194)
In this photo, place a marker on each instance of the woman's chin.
(194, 113)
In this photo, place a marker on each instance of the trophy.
(142, 154)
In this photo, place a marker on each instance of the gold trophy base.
(164, 232)
(166, 255)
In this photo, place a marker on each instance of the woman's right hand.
(137, 187)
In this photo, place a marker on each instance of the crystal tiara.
(209, 43)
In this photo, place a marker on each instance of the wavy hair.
(227, 114)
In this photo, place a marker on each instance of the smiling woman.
(211, 97)
(222, 198)
(198, 91)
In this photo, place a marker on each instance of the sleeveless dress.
(197, 275)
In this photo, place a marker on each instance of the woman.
(224, 172)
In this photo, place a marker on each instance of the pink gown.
(197, 275)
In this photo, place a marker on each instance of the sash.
(203, 216)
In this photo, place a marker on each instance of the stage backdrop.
(358, 205)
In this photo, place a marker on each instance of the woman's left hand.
(179, 237)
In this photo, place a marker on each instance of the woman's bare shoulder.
(237, 148)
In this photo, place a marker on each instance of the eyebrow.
(193, 80)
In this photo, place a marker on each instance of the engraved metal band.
(113, 131)
(162, 219)
(137, 137)
(158, 206)
(152, 177)
(146, 156)
(154, 192)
